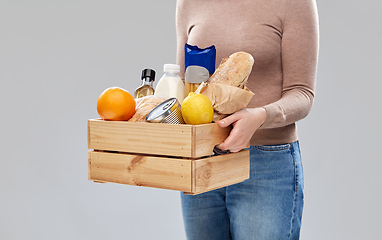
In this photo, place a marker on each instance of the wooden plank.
(207, 136)
(193, 182)
(89, 166)
(136, 170)
(193, 141)
(220, 171)
(140, 137)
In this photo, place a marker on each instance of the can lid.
(162, 110)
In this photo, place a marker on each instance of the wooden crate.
(175, 157)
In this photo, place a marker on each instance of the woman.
(282, 36)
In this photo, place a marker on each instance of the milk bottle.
(170, 84)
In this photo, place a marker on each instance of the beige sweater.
(282, 36)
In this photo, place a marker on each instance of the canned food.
(168, 111)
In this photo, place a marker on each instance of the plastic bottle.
(146, 88)
(170, 84)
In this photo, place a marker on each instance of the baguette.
(144, 105)
(234, 70)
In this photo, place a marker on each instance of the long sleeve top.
(281, 35)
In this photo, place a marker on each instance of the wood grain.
(139, 170)
(140, 137)
(187, 175)
(183, 140)
(207, 136)
(220, 171)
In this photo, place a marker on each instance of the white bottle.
(170, 84)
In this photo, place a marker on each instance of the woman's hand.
(245, 122)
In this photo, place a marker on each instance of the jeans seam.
(223, 190)
(294, 194)
(293, 215)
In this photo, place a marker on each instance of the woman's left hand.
(244, 122)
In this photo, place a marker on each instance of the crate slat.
(182, 140)
(139, 137)
(140, 170)
(187, 175)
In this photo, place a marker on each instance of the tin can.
(168, 111)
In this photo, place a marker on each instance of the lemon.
(197, 109)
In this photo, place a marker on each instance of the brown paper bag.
(226, 99)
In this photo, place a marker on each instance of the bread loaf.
(144, 105)
(234, 70)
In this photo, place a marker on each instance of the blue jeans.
(266, 206)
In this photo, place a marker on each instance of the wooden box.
(175, 157)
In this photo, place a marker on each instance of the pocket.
(273, 148)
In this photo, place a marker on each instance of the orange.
(116, 104)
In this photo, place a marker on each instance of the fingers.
(245, 122)
(233, 148)
(224, 145)
(233, 142)
(225, 123)
(228, 121)
(229, 143)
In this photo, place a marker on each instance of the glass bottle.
(146, 89)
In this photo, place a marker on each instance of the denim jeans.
(266, 206)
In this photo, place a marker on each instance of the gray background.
(56, 57)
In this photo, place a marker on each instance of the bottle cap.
(171, 68)
(148, 73)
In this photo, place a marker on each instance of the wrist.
(259, 114)
(263, 113)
